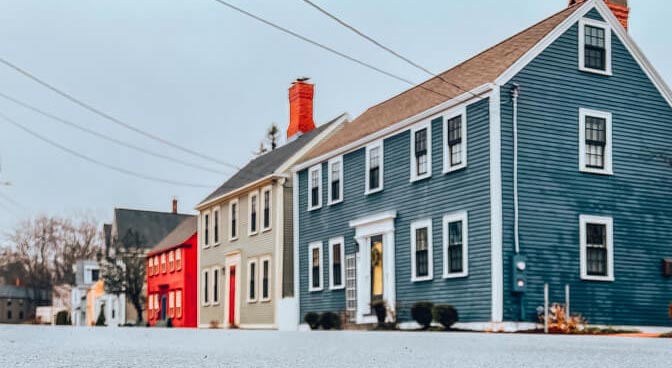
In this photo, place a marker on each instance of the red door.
(232, 295)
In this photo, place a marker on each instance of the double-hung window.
(178, 304)
(252, 281)
(156, 265)
(178, 259)
(421, 152)
(455, 140)
(595, 146)
(594, 46)
(597, 248)
(315, 187)
(265, 292)
(171, 261)
(233, 218)
(163, 263)
(315, 276)
(336, 180)
(150, 267)
(421, 251)
(171, 304)
(253, 203)
(215, 226)
(374, 167)
(336, 262)
(205, 287)
(206, 230)
(266, 212)
(455, 245)
(215, 285)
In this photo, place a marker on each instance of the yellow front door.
(376, 268)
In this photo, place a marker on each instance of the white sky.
(196, 73)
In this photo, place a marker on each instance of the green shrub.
(63, 318)
(330, 321)
(380, 309)
(422, 313)
(313, 320)
(446, 315)
(101, 318)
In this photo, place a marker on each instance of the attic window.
(594, 47)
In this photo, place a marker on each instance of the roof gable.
(179, 236)
(150, 226)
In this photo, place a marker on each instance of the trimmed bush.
(63, 318)
(313, 320)
(101, 318)
(330, 321)
(380, 309)
(422, 313)
(446, 315)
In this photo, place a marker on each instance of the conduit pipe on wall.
(515, 93)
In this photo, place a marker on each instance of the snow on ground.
(35, 346)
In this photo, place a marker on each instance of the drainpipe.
(515, 93)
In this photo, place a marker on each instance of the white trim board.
(496, 227)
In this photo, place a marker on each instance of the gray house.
(18, 304)
(538, 164)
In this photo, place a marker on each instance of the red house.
(172, 271)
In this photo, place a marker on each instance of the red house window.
(150, 265)
(171, 304)
(178, 259)
(163, 263)
(156, 265)
(171, 261)
(178, 303)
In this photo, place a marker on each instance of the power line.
(97, 162)
(112, 118)
(326, 48)
(389, 50)
(106, 137)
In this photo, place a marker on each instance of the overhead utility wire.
(389, 50)
(326, 48)
(108, 138)
(97, 162)
(112, 118)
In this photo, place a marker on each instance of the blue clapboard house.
(540, 161)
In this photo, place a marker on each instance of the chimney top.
(300, 108)
(174, 205)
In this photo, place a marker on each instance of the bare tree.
(273, 136)
(124, 272)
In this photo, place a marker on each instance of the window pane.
(455, 251)
(595, 48)
(264, 286)
(421, 151)
(316, 267)
(253, 272)
(337, 265)
(421, 252)
(596, 249)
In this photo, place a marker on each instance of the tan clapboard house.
(246, 234)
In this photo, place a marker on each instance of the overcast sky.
(198, 74)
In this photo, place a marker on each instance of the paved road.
(33, 346)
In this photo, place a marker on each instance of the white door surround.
(365, 228)
(232, 260)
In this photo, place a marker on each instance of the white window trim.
(218, 228)
(249, 213)
(430, 245)
(256, 279)
(316, 245)
(261, 279)
(446, 149)
(601, 220)
(607, 44)
(608, 160)
(88, 273)
(447, 219)
(424, 125)
(338, 160)
(207, 243)
(205, 302)
(212, 285)
(341, 241)
(230, 222)
(317, 168)
(377, 144)
(267, 189)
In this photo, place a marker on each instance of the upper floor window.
(266, 213)
(254, 209)
(336, 180)
(594, 46)
(455, 148)
(315, 276)
(315, 187)
(206, 230)
(421, 251)
(215, 225)
(252, 281)
(150, 266)
(233, 220)
(597, 248)
(421, 152)
(336, 259)
(374, 167)
(595, 154)
(91, 275)
(171, 261)
(265, 279)
(178, 259)
(156, 265)
(455, 245)
(163, 263)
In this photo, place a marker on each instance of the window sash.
(253, 214)
(374, 168)
(178, 259)
(215, 286)
(206, 287)
(454, 127)
(215, 219)
(421, 252)
(455, 247)
(596, 250)
(335, 181)
(316, 268)
(595, 54)
(337, 264)
(234, 220)
(206, 230)
(264, 280)
(267, 209)
(252, 281)
(421, 153)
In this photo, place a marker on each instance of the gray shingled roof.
(178, 236)
(15, 292)
(152, 226)
(266, 164)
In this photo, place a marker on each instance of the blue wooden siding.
(467, 189)
(553, 193)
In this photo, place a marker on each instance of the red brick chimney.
(175, 205)
(618, 7)
(300, 108)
